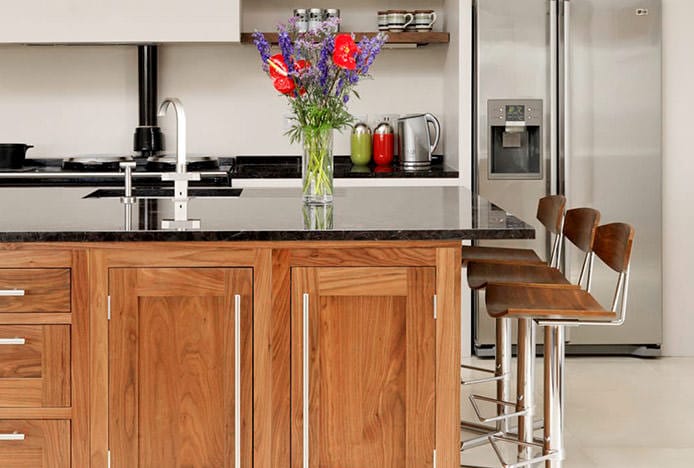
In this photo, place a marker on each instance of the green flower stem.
(318, 151)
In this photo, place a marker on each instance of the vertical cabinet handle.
(555, 182)
(12, 437)
(567, 98)
(237, 381)
(13, 341)
(306, 357)
(12, 292)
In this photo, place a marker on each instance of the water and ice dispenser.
(515, 138)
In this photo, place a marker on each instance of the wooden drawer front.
(45, 290)
(45, 444)
(36, 373)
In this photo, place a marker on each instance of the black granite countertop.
(405, 213)
(50, 173)
(289, 167)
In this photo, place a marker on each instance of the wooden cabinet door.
(34, 443)
(120, 21)
(174, 341)
(35, 366)
(363, 366)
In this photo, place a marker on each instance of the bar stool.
(556, 307)
(550, 212)
(579, 228)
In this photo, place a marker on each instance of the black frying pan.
(12, 155)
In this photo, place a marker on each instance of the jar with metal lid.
(361, 144)
(315, 18)
(331, 13)
(301, 15)
(383, 144)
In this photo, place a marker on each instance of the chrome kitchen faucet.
(181, 177)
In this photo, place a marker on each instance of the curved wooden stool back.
(579, 228)
(550, 211)
(613, 243)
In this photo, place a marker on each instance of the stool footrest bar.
(494, 439)
(495, 377)
(475, 398)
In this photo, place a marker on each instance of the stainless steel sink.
(157, 192)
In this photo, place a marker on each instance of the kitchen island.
(210, 347)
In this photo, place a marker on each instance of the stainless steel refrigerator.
(568, 100)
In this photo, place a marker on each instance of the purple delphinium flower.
(340, 86)
(369, 49)
(263, 47)
(345, 98)
(326, 53)
(287, 48)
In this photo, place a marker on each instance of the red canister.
(384, 144)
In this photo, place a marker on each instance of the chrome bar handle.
(128, 200)
(237, 381)
(566, 81)
(13, 341)
(553, 114)
(12, 292)
(306, 379)
(12, 437)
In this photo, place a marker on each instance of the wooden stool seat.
(500, 255)
(544, 302)
(479, 274)
(550, 212)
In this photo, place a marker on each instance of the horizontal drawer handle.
(13, 341)
(11, 292)
(10, 437)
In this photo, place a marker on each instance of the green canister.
(361, 144)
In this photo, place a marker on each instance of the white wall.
(81, 99)
(77, 99)
(678, 171)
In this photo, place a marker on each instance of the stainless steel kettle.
(415, 143)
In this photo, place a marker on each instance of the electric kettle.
(415, 143)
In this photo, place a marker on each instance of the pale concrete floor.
(620, 413)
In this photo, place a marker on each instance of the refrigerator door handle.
(566, 82)
(553, 182)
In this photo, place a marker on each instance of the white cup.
(424, 20)
(398, 20)
(383, 21)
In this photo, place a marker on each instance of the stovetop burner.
(95, 162)
(195, 163)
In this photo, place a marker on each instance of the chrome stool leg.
(525, 379)
(503, 367)
(554, 395)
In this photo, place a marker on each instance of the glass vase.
(317, 166)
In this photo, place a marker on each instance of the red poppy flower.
(284, 85)
(345, 52)
(277, 65)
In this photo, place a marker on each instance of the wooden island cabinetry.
(194, 354)
(367, 338)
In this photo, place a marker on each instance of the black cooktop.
(60, 173)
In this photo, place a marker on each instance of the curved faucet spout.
(180, 130)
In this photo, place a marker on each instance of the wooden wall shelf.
(412, 38)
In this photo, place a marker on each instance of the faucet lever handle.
(177, 176)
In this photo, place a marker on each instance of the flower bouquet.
(318, 72)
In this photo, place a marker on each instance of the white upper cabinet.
(119, 21)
